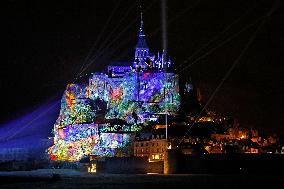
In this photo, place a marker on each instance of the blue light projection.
(31, 130)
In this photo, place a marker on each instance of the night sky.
(46, 42)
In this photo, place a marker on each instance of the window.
(141, 144)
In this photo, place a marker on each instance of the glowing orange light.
(92, 168)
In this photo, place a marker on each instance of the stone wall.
(224, 163)
(128, 165)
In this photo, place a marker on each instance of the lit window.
(92, 168)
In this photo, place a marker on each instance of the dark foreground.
(73, 179)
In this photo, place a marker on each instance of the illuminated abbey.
(101, 116)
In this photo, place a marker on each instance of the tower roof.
(141, 36)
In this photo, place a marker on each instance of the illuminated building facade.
(125, 98)
(153, 149)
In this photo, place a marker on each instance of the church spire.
(142, 49)
(141, 32)
(141, 36)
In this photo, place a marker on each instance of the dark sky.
(46, 42)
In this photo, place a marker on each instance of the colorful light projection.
(75, 107)
(133, 98)
(146, 94)
(111, 144)
(74, 142)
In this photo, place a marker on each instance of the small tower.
(142, 49)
